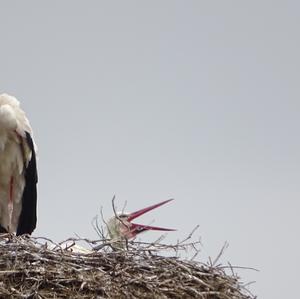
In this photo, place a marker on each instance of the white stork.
(120, 228)
(18, 173)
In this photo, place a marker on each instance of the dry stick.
(190, 234)
(115, 212)
(225, 246)
(239, 267)
(103, 220)
(124, 206)
(121, 220)
(95, 226)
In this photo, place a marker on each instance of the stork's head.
(120, 226)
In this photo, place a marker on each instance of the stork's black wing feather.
(27, 220)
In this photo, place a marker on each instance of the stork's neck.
(8, 119)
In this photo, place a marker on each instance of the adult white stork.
(18, 173)
(120, 228)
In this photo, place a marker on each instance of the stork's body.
(18, 174)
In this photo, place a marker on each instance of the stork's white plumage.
(120, 227)
(18, 173)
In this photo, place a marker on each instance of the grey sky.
(150, 100)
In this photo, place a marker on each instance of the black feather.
(28, 217)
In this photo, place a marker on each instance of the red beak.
(138, 228)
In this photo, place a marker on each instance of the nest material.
(29, 269)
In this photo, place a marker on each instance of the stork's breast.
(11, 159)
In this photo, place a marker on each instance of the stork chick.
(120, 228)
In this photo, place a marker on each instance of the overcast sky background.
(150, 100)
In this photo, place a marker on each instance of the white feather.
(13, 151)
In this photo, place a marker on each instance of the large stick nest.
(38, 268)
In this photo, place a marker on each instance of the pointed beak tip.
(147, 209)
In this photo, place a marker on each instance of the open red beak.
(138, 228)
